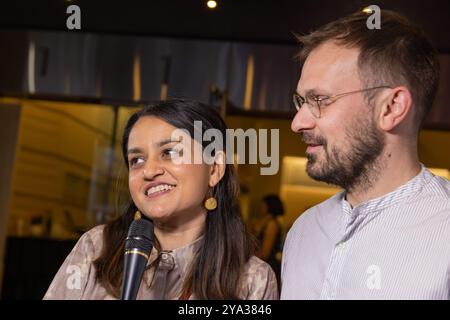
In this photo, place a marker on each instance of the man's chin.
(316, 172)
(312, 169)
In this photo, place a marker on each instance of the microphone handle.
(134, 266)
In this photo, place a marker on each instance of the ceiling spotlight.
(211, 4)
(367, 10)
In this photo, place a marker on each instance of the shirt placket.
(166, 265)
(338, 257)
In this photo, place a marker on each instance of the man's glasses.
(317, 102)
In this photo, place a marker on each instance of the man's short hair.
(399, 53)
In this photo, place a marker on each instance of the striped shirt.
(393, 247)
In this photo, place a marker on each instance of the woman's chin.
(158, 216)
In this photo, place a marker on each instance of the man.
(361, 99)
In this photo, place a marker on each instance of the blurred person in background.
(271, 233)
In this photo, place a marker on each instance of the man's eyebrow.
(307, 93)
(315, 92)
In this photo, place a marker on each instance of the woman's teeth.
(161, 187)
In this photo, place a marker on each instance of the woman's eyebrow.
(166, 141)
(134, 150)
(159, 144)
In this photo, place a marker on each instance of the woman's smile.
(158, 190)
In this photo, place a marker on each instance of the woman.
(270, 235)
(202, 250)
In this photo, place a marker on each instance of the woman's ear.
(217, 169)
(395, 108)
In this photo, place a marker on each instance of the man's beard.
(352, 167)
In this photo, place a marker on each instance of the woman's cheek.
(133, 182)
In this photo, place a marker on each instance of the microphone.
(138, 245)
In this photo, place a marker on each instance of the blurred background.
(65, 96)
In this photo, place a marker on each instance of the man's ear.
(217, 169)
(395, 108)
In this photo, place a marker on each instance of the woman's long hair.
(227, 246)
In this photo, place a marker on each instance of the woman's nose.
(152, 169)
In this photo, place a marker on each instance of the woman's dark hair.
(274, 205)
(227, 246)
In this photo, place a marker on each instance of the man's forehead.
(330, 66)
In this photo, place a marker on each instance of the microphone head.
(140, 236)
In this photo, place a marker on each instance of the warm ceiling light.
(367, 10)
(211, 4)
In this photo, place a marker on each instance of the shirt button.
(164, 256)
(341, 245)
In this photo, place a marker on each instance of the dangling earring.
(210, 203)
(137, 215)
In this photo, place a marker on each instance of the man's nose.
(303, 120)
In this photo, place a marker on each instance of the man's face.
(345, 142)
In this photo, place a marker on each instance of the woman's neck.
(173, 237)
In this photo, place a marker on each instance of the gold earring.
(210, 203)
(137, 215)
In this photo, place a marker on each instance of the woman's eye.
(135, 161)
(171, 153)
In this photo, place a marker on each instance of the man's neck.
(392, 174)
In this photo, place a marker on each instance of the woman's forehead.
(154, 132)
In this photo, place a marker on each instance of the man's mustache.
(309, 138)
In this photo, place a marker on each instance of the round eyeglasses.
(317, 102)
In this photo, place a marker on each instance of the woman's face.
(167, 191)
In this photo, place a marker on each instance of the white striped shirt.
(393, 247)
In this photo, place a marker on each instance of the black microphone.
(138, 245)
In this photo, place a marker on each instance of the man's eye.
(322, 100)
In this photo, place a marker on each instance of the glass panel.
(59, 148)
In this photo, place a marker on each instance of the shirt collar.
(177, 259)
(397, 196)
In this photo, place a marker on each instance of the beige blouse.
(76, 277)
